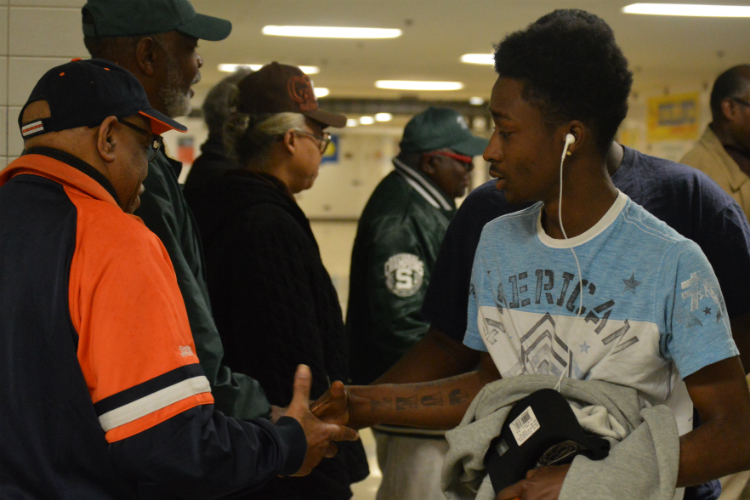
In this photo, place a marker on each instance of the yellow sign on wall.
(674, 117)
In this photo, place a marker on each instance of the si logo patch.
(404, 274)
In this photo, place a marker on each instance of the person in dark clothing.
(157, 41)
(214, 161)
(274, 303)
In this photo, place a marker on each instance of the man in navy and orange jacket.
(103, 394)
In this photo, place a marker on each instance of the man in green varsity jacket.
(397, 243)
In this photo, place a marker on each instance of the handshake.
(324, 422)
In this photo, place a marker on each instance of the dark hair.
(571, 69)
(730, 83)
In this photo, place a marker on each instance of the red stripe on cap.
(158, 127)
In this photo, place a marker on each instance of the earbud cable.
(578, 266)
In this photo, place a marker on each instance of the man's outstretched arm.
(439, 404)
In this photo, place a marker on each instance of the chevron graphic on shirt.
(543, 350)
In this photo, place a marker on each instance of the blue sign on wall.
(332, 153)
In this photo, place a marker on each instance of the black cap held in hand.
(84, 93)
(541, 429)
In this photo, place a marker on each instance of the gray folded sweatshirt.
(643, 465)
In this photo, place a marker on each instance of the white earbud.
(569, 139)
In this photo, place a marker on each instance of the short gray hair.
(248, 138)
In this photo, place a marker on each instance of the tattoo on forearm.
(406, 403)
(457, 397)
(433, 399)
(381, 404)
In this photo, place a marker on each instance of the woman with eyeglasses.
(273, 300)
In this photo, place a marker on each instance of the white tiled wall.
(35, 35)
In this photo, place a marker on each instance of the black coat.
(213, 162)
(275, 307)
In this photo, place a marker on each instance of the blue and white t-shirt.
(652, 310)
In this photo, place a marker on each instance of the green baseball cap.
(439, 128)
(112, 18)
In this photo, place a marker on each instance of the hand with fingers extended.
(544, 483)
(333, 406)
(320, 435)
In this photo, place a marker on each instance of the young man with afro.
(644, 293)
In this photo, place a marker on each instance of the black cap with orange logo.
(84, 93)
(278, 88)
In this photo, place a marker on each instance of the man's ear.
(105, 139)
(579, 131)
(290, 141)
(728, 108)
(426, 164)
(146, 55)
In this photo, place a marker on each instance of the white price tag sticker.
(524, 426)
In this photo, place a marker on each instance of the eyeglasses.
(466, 160)
(323, 141)
(740, 101)
(155, 141)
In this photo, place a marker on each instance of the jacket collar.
(424, 186)
(712, 143)
(64, 168)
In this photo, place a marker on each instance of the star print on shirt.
(707, 311)
(585, 347)
(631, 284)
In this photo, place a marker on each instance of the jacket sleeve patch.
(404, 274)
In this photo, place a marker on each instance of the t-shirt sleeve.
(696, 323)
(135, 348)
(478, 288)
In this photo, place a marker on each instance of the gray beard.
(176, 103)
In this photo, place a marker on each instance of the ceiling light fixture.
(676, 9)
(366, 120)
(415, 85)
(352, 122)
(476, 101)
(383, 117)
(488, 59)
(321, 92)
(231, 68)
(330, 32)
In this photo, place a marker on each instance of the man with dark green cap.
(156, 40)
(397, 243)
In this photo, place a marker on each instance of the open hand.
(544, 483)
(320, 435)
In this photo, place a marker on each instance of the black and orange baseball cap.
(279, 88)
(84, 93)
